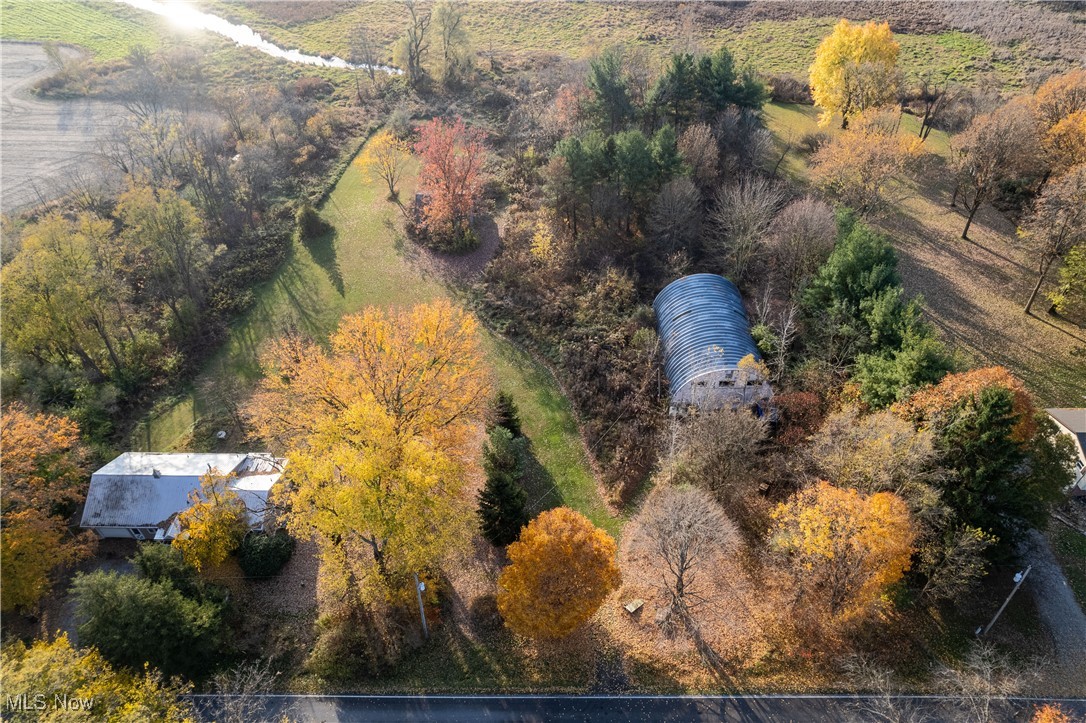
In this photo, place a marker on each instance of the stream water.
(184, 15)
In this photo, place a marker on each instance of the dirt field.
(46, 144)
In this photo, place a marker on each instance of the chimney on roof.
(155, 473)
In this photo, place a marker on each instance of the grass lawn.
(1069, 546)
(365, 261)
(973, 290)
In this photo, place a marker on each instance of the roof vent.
(156, 473)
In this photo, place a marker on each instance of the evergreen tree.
(665, 152)
(677, 88)
(501, 502)
(977, 446)
(506, 414)
(610, 89)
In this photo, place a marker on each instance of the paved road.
(760, 708)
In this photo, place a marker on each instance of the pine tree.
(501, 501)
(978, 445)
(506, 414)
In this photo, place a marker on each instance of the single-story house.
(1072, 422)
(139, 494)
(705, 337)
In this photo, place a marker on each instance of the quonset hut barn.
(705, 334)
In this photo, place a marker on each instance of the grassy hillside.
(365, 260)
(973, 290)
(579, 30)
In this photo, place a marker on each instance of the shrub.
(132, 621)
(789, 89)
(308, 224)
(262, 555)
(162, 563)
(814, 141)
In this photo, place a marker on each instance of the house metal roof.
(703, 327)
(126, 492)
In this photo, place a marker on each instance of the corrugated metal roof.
(177, 464)
(703, 327)
(125, 492)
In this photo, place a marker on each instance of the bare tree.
(800, 239)
(719, 452)
(412, 47)
(781, 330)
(880, 701)
(997, 146)
(740, 218)
(1057, 223)
(364, 53)
(985, 676)
(933, 94)
(241, 690)
(675, 216)
(686, 529)
(699, 150)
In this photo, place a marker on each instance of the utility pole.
(1019, 578)
(419, 587)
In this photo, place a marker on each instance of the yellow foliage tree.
(544, 245)
(385, 158)
(860, 167)
(846, 548)
(113, 696)
(43, 464)
(376, 430)
(1064, 145)
(855, 68)
(560, 571)
(214, 525)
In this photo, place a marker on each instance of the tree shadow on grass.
(538, 483)
(323, 250)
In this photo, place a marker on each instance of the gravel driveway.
(1059, 611)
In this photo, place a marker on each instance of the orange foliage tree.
(930, 403)
(44, 467)
(845, 547)
(1050, 713)
(376, 430)
(451, 174)
(560, 571)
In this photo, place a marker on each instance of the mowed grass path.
(973, 290)
(365, 261)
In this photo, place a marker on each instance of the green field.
(581, 29)
(107, 30)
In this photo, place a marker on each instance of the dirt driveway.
(44, 144)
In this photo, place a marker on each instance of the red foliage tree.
(451, 174)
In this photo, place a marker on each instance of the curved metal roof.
(703, 327)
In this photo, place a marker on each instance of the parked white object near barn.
(139, 494)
